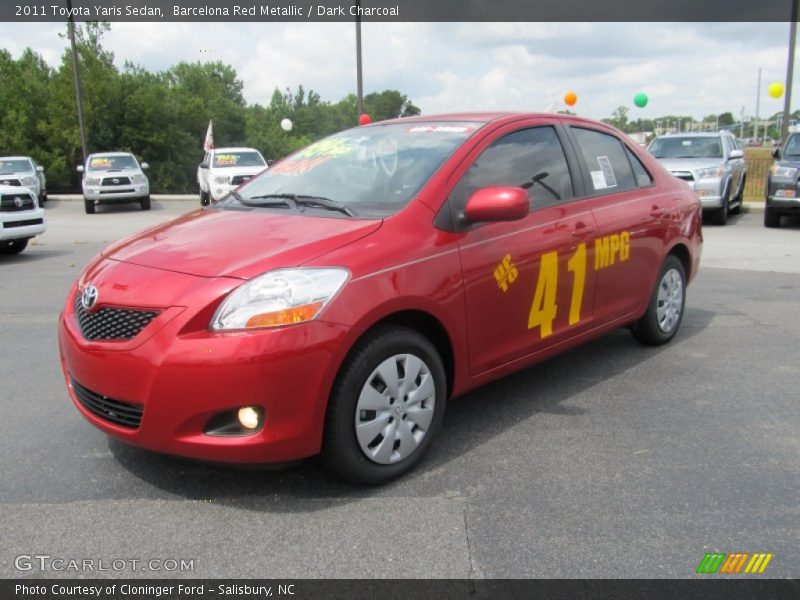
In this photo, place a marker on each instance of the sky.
(685, 68)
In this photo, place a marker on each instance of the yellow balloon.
(775, 90)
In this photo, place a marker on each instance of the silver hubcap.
(670, 300)
(395, 409)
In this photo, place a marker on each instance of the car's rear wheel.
(204, 198)
(145, 203)
(664, 312)
(88, 206)
(386, 406)
(771, 218)
(13, 246)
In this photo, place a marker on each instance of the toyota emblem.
(115, 180)
(19, 202)
(89, 297)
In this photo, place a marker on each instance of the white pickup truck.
(225, 169)
(21, 218)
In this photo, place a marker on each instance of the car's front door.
(527, 282)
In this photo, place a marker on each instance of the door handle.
(581, 230)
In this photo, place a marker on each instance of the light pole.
(359, 74)
(758, 98)
(787, 99)
(77, 78)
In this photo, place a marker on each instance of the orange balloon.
(570, 98)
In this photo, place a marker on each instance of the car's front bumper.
(783, 195)
(182, 376)
(710, 191)
(219, 190)
(22, 225)
(116, 193)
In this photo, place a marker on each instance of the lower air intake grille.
(111, 323)
(114, 411)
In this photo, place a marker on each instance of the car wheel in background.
(771, 218)
(739, 199)
(720, 216)
(13, 246)
(204, 199)
(664, 312)
(386, 406)
(42, 198)
(88, 206)
(145, 203)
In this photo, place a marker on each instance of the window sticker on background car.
(608, 172)
(226, 159)
(101, 163)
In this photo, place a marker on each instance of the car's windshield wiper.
(324, 203)
(288, 200)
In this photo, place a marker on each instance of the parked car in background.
(225, 169)
(21, 218)
(114, 178)
(713, 166)
(337, 301)
(25, 172)
(783, 189)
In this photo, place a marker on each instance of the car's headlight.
(222, 178)
(138, 178)
(28, 181)
(92, 181)
(280, 297)
(779, 171)
(710, 173)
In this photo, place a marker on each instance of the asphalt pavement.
(612, 460)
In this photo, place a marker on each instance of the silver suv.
(711, 163)
(114, 177)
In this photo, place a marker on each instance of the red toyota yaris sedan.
(336, 302)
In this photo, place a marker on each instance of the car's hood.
(213, 243)
(233, 171)
(690, 164)
(112, 173)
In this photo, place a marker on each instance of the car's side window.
(642, 175)
(532, 159)
(604, 157)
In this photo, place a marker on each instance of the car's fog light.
(249, 417)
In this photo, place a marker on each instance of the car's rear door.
(633, 219)
(527, 284)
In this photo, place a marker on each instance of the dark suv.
(782, 184)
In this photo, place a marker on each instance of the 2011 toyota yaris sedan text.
(336, 302)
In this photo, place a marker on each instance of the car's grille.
(15, 182)
(119, 413)
(685, 175)
(125, 191)
(240, 179)
(8, 202)
(111, 323)
(25, 223)
(116, 181)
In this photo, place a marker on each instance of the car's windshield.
(237, 159)
(686, 147)
(109, 163)
(792, 147)
(374, 171)
(16, 165)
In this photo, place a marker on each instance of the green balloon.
(640, 99)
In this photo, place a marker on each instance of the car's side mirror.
(270, 161)
(145, 166)
(776, 153)
(40, 168)
(80, 168)
(204, 165)
(497, 204)
(736, 154)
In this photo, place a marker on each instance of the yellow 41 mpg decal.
(544, 308)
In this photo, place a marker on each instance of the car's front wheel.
(387, 405)
(204, 198)
(720, 215)
(771, 218)
(13, 246)
(88, 206)
(145, 203)
(664, 312)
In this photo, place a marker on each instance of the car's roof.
(234, 149)
(111, 154)
(487, 117)
(697, 134)
(15, 158)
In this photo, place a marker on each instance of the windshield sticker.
(686, 143)
(296, 167)
(327, 148)
(439, 129)
(608, 172)
(226, 159)
(101, 163)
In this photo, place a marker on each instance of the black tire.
(771, 218)
(145, 203)
(13, 246)
(341, 451)
(739, 198)
(647, 329)
(88, 206)
(204, 198)
(42, 198)
(720, 216)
